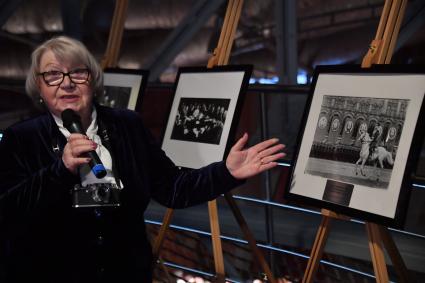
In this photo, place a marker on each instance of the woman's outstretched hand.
(244, 163)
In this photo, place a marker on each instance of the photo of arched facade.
(354, 135)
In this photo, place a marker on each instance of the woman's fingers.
(80, 144)
(267, 166)
(75, 137)
(269, 161)
(73, 153)
(265, 144)
(240, 143)
(78, 161)
(272, 157)
(271, 150)
(80, 149)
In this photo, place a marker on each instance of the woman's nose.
(67, 82)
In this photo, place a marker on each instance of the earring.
(40, 100)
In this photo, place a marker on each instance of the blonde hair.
(66, 49)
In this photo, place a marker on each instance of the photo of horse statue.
(356, 139)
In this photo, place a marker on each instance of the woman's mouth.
(70, 98)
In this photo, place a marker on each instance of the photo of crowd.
(114, 96)
(200, 120)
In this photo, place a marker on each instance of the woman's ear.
(40, 100)
(38, 82)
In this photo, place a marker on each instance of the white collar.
(91, 130)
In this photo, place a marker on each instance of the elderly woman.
(55, 229)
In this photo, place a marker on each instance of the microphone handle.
(95, 163)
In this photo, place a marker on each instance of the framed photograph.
(123, 88)
(363, 130)
(204, 114)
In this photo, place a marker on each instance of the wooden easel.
(110, 59)
(380, 52)
(221, 56)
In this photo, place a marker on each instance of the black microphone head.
(69, 117)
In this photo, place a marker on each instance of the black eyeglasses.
(54, 78)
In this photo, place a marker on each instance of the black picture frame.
(419, 175)
(204, 113)
(123, 88)
(322, 174)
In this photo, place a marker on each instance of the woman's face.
(77, 97)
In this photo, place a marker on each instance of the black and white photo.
(356, 139)
(200, 119)
(115, 96)
(123, 88)
(204, 114)
(362, 132)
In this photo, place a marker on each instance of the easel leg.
(249, 237)
(235, 11)
(394, 254)
(380, 53)
(161, 235)
(377, 252)
(110, 58)
(165, 270)
(215, 234)
(317, 250)
(160, 239)
(225, 43)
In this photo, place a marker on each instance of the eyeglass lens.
(77, 76)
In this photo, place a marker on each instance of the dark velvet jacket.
(44, 239)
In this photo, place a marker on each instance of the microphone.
(72, 122)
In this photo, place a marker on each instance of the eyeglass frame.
(64, 75)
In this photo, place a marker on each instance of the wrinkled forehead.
(66, 57)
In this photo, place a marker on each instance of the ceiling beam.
(7, 8)
(180, 36)
(71, 18)
(18, 38)
(333, 13)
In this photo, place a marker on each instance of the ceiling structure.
(327, 32)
